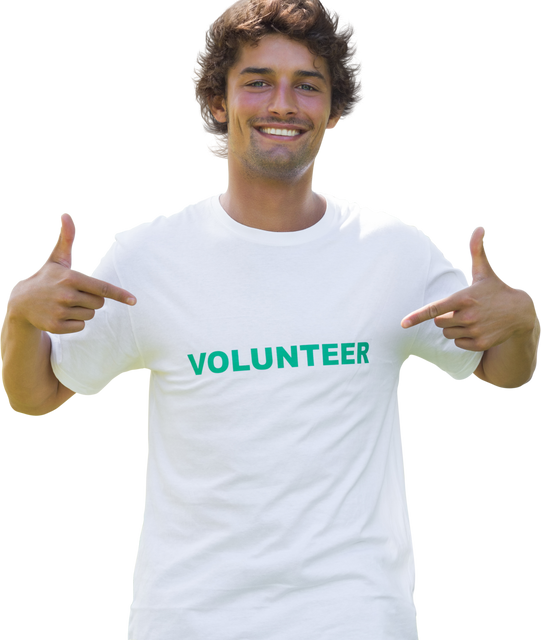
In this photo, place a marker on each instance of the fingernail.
(131, 301)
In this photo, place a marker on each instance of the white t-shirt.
(275, 505)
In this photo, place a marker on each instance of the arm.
(513, 364)
(28, 377)
(55, 299)
(488, 316)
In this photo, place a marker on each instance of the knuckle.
(468, 317)
(66, 298)
(475, 333)
(57, 326)
(68, 279)
(482, 344)
(433, 311)
(104, 290)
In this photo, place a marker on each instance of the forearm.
(30, 383)
(512, 363)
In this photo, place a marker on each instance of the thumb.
(62, 252)
(481, 268)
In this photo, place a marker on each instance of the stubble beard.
(278, 164)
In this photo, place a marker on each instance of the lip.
(272, 136)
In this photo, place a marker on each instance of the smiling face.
(277, 108)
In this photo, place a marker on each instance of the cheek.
(317, 109)
(246, 107)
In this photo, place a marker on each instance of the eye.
(257, 84)
(261, 82)
(307, 87)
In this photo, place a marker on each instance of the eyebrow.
(267, 71)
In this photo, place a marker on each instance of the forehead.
(281, 54)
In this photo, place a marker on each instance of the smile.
(290, 133)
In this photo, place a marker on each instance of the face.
(277, 108)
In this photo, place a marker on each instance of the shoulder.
(165, 231)
(378, 228)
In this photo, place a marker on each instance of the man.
(270, 320)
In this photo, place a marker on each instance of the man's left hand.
(481, 316)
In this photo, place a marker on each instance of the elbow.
(505, 379)
(513, 382)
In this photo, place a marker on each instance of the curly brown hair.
(247, 21)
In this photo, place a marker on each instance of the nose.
(283, 101)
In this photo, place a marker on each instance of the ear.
(333, 121)
(218, 109)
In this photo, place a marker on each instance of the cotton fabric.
(275, 505)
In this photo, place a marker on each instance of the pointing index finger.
(116, 293)
(105, 290)
(430, 311)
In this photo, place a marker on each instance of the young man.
(270, 319)
(275, 127)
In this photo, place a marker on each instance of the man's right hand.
(59, 300)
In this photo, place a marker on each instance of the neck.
(272, 205)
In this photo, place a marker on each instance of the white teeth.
(281, 132)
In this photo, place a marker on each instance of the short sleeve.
(88, 360)
(429, 343)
